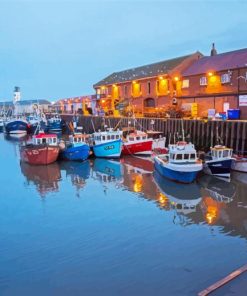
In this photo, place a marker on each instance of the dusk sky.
(59, 49)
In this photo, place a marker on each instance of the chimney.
(213, 50)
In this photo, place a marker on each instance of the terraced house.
(148, 89)
(217, 82)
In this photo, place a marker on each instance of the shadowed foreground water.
(113, 228)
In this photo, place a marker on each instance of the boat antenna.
(93, 125)
(182, 123)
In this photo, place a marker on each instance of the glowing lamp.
(176, 78)
(161, 77)
(210, 73)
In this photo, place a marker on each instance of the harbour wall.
(203, 133)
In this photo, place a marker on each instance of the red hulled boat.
(44, 149)
(137, 143)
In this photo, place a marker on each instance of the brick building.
(148, 89)
(218, 81)
(82, 104)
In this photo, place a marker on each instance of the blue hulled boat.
(219, 162)
(75, 149)
(55, 124)
(16, 126)
(180, 164)
(107, 144)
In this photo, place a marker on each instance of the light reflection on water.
(107, 227)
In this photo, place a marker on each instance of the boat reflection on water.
(219, 189)
(183, 198)
(108, 171)
(217, 193)
(44, 177)
(78, 172)
(138, 177)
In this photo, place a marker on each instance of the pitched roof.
(220, 62)
(150, 70)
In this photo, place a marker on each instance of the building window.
(225, 78)
(98, 91)
(149, 87)
(126, 90)
(185, 83)
(203, 80)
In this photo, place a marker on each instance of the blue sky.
(59, 49)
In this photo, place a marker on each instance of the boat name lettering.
(109, 147)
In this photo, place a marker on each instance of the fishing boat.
(16, 126)
(137, 143)
(75, 149)
(239, 163)
(55, 124)
(180, 164)
(219, 161)
(43, 149)
(107, 143)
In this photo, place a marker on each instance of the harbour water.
(106, 227)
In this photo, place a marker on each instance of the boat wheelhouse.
(180, 163)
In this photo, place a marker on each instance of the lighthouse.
(17, 94)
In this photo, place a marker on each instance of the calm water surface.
(113, 228)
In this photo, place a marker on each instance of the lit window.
(203, 80)
(185, 83)
(225, 78)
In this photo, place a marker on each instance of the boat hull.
(220, 168)
(111, 149)
(16, 127)
(239, 165)
(141, 148)
(39, 154)
(177, 174)
(78, 153)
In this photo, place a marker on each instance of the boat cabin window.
(103, 138)
(38, 141)
(179, 156)
(144, 138)
(220, 154)
(186, 156)
(54, 140)
(172, 156)
(227, 153)
(117, 136)
(192, 156)
(112, 137)
(131, 138)
(108, 137)
(44, 141)
(138, 138)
